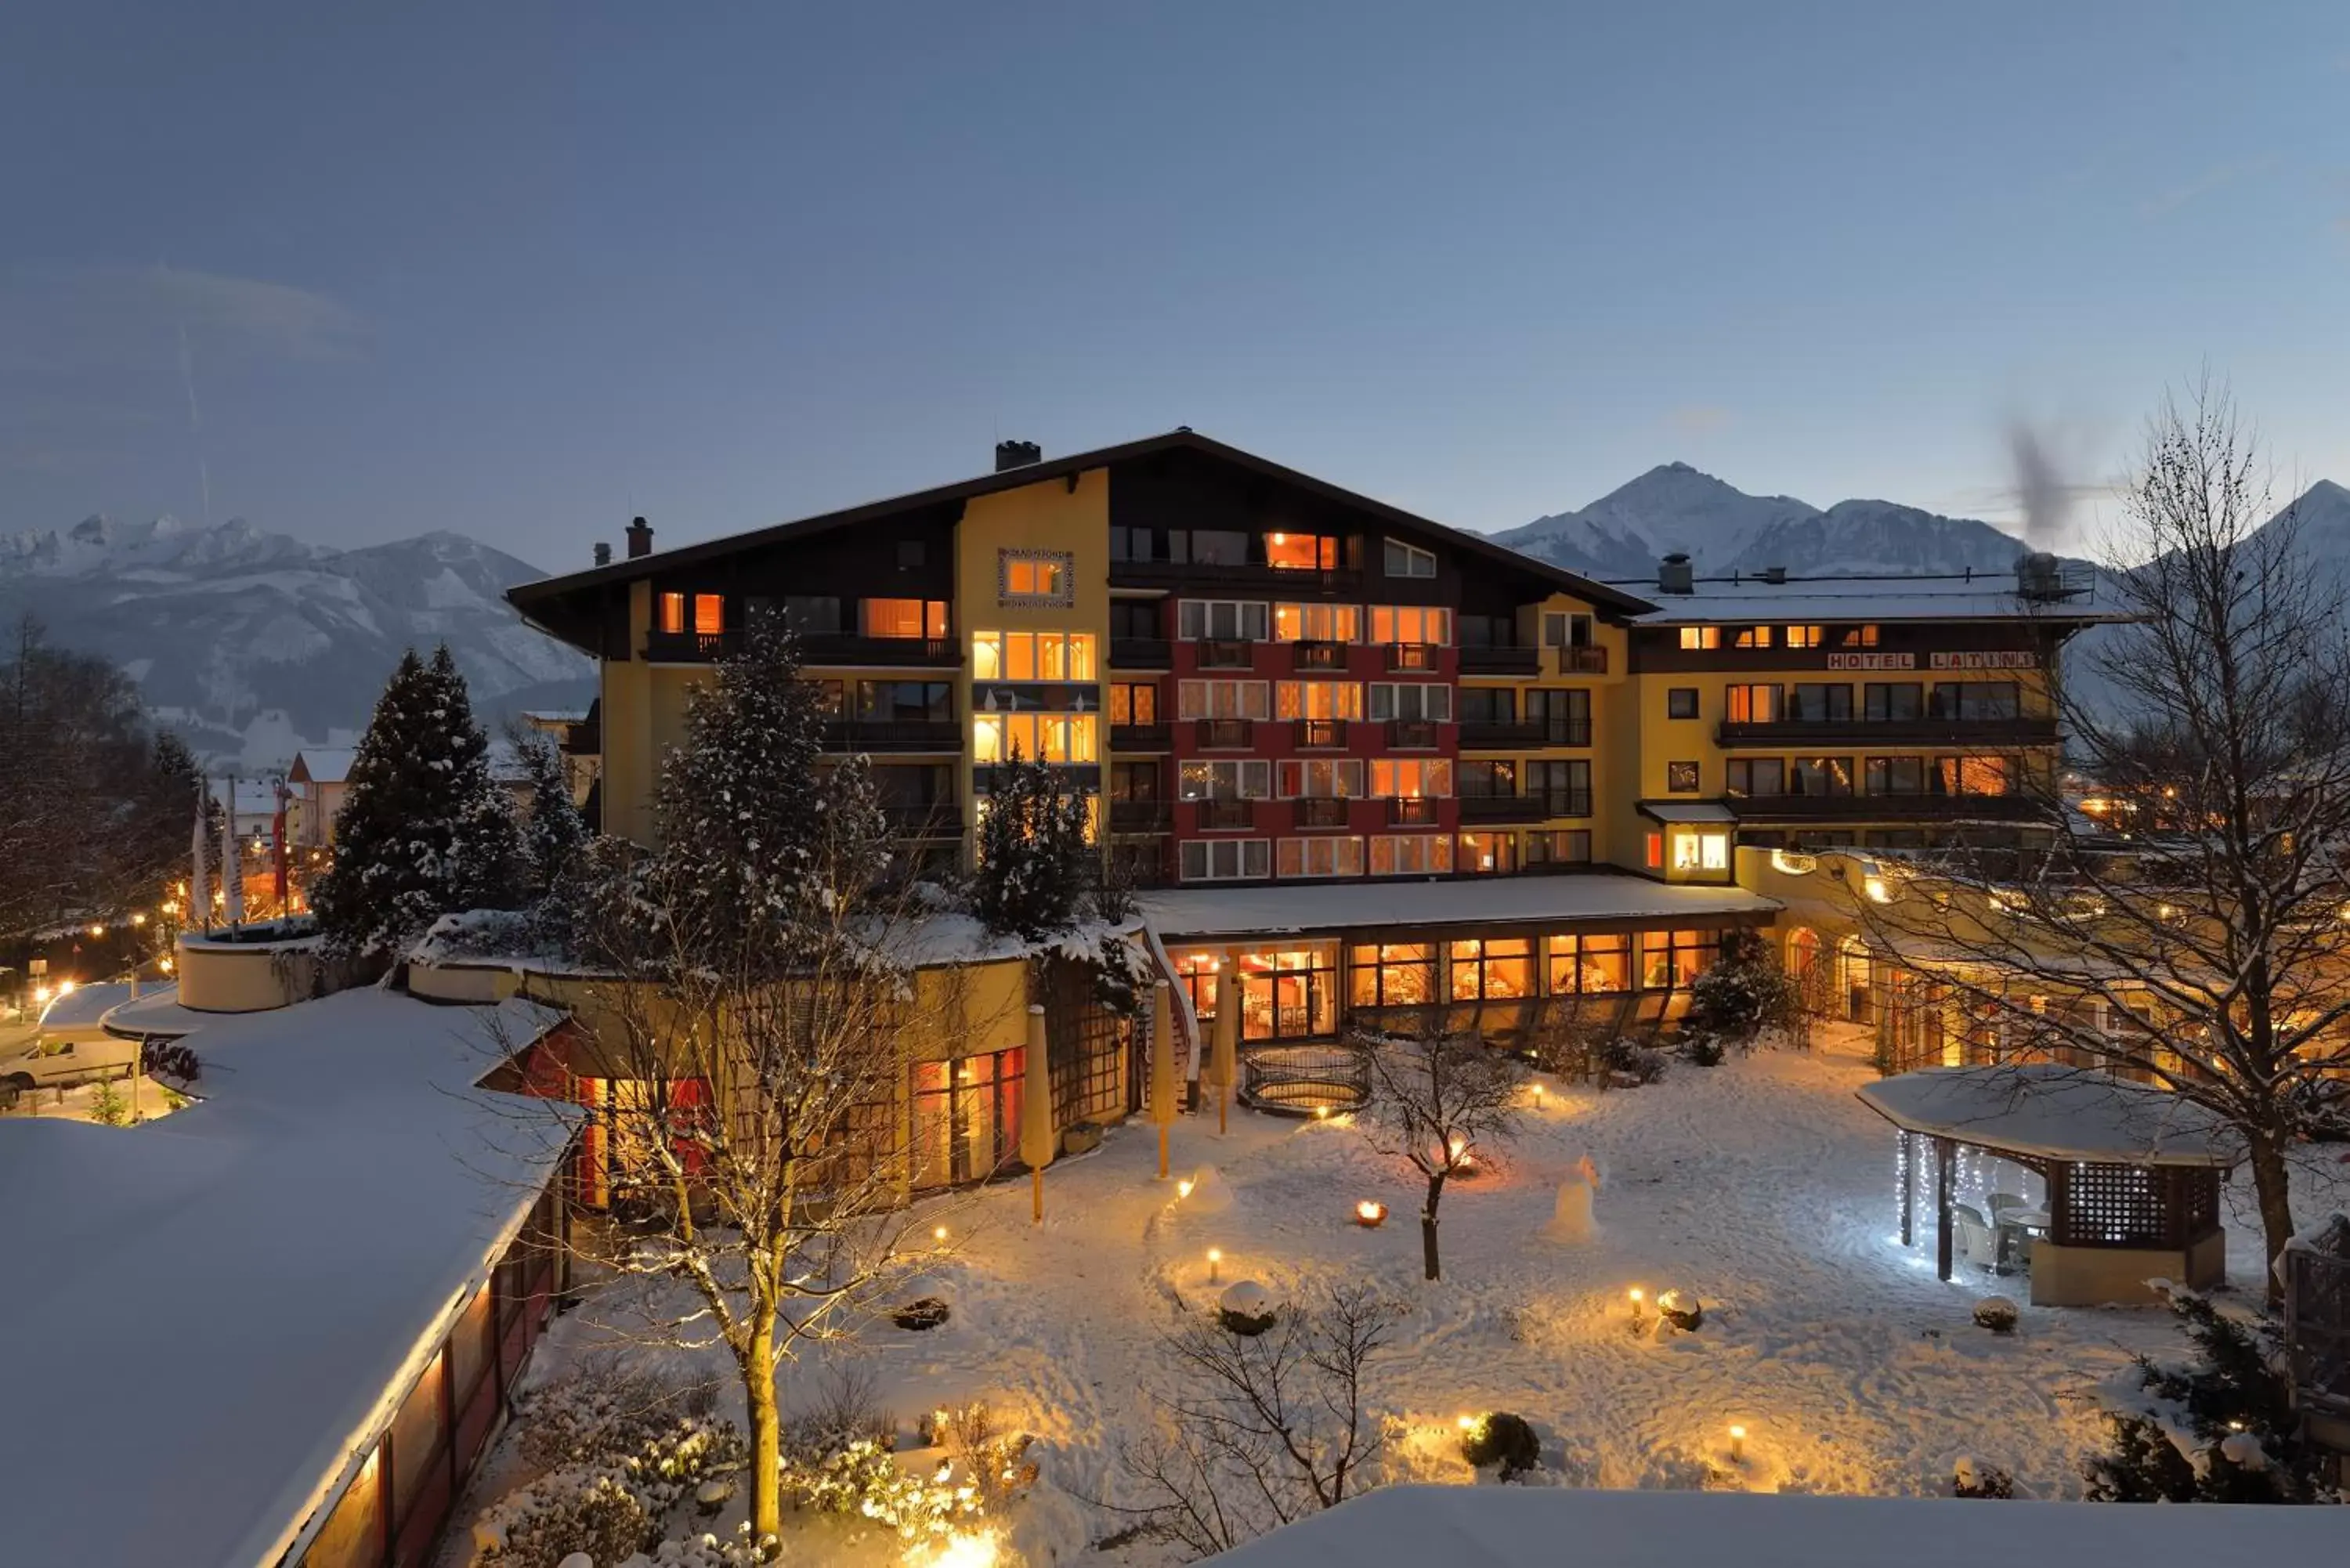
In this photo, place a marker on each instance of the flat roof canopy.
(1187, 913)
(2045, 1111)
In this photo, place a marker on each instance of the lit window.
(1034, 576)
(1753, 705)
(1321, 778)
(1318, 700)
(1495, 968)
(1038, 737)
(1408, 561)
(1222, 699)
(1754, 637)
(1803, 637)
(1488, 854)
(1335, 854)
(1239, 778)
(1411, 778)
(672, 614)
(1398, 974)
(905, 617)
(1317, 623)
(1031, 656)
(1134, 703)
(1655, 856)
(1429, 624)
(1411, 855)
(1856, 637)
(709, 614)
(1699, 636)
(1301, 552)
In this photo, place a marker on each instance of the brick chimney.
(1017, 454)
(641, 538)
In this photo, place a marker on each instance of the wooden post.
(1037, 1112)
(1162, 1065)
(1908, 1189)
(1943, 1152)
(1223, 1063)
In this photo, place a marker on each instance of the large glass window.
(1394, 974)
(1410, 778)
(1329, 854)
(1558, 846)
(1289, 994)
(1483, 780)
(1031, 656)
(1975, 700)
(1820, 776)
(1411, 855)
(1753, 705)
(1407, 561)
(1488, 854)
(1895, 775)
(1219, 546)
(1701, 848)
(1671, 960)
(966, 1116)
(1317, 623)
(1494, 969)
(1411, 623)
(1755, 775)
(1317, 698)
(1224, 859)
(1239, 778)
(1223, 620)
(1411, 701)
(1597, 965)
(1039, 737)
(1196, 972)
(1302, 551)
(905, 617)
(905, 701)
(1884, 701)
(1133, 703)
(1223, 699)
(1819, 702)
(1489, 705)
(812, 615)
(1321, 778)
(1975, 776)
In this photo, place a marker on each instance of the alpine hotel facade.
(1358, 758)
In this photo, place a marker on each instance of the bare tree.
(1442, 1100)
(1267, 1429)
(2209, 919)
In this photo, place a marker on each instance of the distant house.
(317, 780)
(573, 730)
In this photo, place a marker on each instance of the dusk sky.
(521, 271)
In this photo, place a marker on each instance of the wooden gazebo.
(2132, 1172)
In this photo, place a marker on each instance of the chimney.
(641, 538)
(1776, 575)
(603, 552)
(1017, 454)
(2040, 578)
(1675, 575)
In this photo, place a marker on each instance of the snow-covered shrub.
(1996, 1314)
(1743, 995)
(865, 1486)
(1503, 1439)
(1971, 1477)
(1701, 1048)
(928, 1312)
(601, 1409)
(1245, 1308)
(1628, 1061)
(1682, 1310)
(566, 1511)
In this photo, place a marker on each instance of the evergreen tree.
(554, 834)
(755, 832)
(423, 830)
(1036, 867)
(1744, 993)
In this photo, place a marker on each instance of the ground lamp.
(1637, 1297)
(1037, 1111)
(1228, 1044)
(1368, 1214)
(1737, 1445)
(1215, 1264)
(1163, 1066)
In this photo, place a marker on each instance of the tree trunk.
(759, 1392)
(2272, 1184)
(1427, 1226)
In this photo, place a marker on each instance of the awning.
(1682, 811)
(2045, 1111)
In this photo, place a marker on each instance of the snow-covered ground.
(1763, 1186)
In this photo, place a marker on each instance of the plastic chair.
(1978, 1242)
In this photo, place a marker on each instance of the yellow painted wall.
(629, 762)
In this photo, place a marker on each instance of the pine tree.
(423, 830)
(554, 834)
(754, 828)
(1036, 867)
(1744, 993)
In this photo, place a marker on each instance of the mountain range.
(253, 644)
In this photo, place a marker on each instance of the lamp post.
(1037, 1111)
(1163, 1066)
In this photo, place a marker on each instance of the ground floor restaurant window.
(1291, 994)
(1196, 973)
(1590, 965)
(1394, 974)
(1671, 960)
(966, 1117)
(1495, 968)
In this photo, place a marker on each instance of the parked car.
(56, 1062)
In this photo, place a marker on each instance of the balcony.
(1224, 816)
(1412, 734)
(924, 819)
(1319, 812)
(1420, 811)
(1497, 661)
(1482, 808)
(1227, 734)
(1404, 657)
(1886, 807)
(1140, 816)
(1253, 573)
(1141, 653)
(1589, 659)
(1308, 654)
(1141, 738)
(1487, 735)
(1321, 734)
(816, 649)
(2012, 731)
(884, 735)
(1225, 653)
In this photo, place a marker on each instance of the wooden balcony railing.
(1321, 734)
(1227, 734)
(1499, 660)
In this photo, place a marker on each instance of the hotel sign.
(1997, 659)
(1873, 660)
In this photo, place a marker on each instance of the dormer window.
(1410, 560)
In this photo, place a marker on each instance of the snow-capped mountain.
(1723, 529)
(253, 644)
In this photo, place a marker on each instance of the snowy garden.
(1827, 1358)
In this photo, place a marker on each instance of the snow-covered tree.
(1441, 1099)
(423, 830)
(1035, 868)
(1744, 993)
(554, 836)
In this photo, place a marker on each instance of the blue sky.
(523, 270)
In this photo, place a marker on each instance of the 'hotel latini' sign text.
(1994, 659)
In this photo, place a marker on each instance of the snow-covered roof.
(84, 1005)
(323, 764)
(1180, 913)
(556, 715)
(1983, 596)
(1686, 811)
(158, 1016)
(2054, 1112)
(293, 1240)
(254, 797)
(1512, 1526)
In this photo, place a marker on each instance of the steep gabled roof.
(528, 595)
